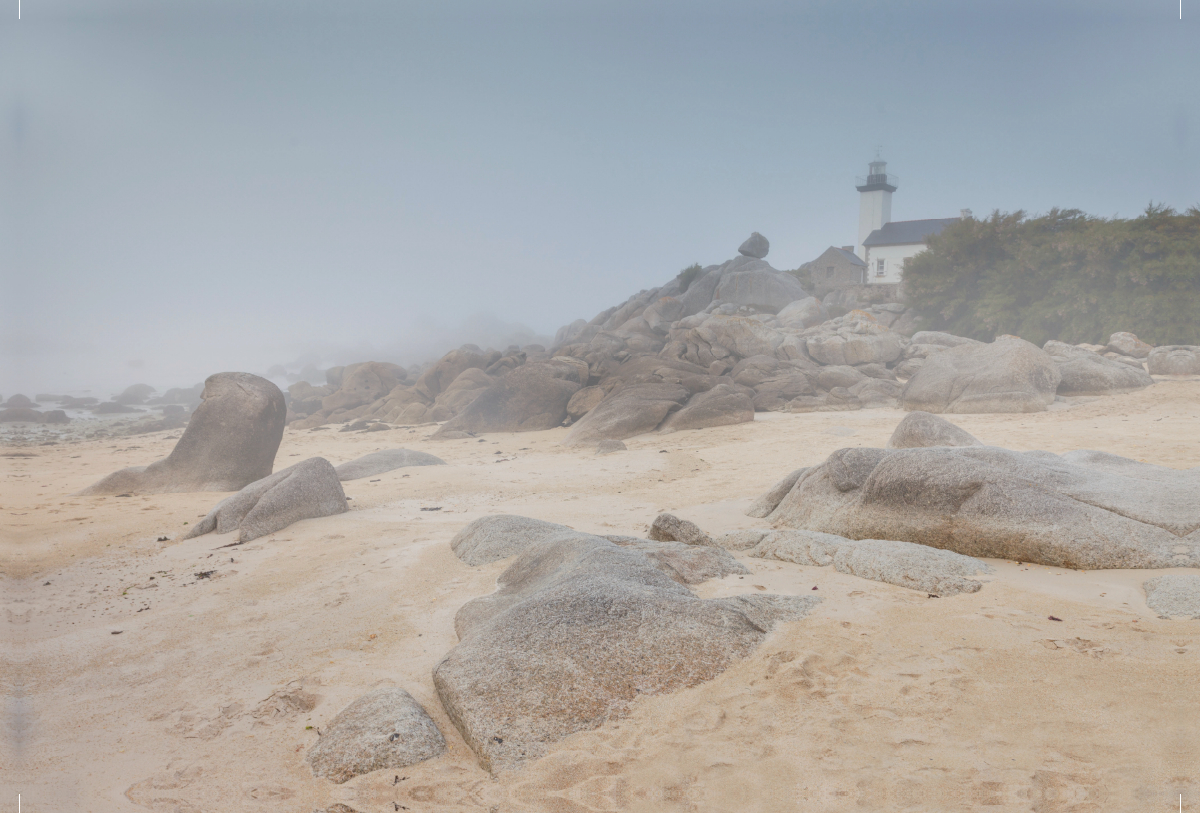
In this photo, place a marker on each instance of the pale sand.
(882, 699)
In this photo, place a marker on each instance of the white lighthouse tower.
(874, 202)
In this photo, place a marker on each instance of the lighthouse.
(874, 202)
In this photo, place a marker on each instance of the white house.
(884, 244)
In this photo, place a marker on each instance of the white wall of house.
(892, 258)
(874, 209)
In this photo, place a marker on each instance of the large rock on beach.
(923, 429)
(1084, 509)
(306, 490)
(1008, 375)
(1128, 344)
(384, 461)
(1087, 373)
(230, 442)
(385, 728)
(577, 631)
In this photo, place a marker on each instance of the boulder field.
(712, 347)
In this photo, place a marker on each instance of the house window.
(829, 272)
(879, 268)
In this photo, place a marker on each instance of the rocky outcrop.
(230, 442)
(364, 383)
(631, 411)
(723, 405)
(1008, 375)
(858, 340)
(384, 461)
(919, 430)
(385, 728)
(534, 396)
(1177, 359)
(1082, 510)
(306, 490)
(578, 629)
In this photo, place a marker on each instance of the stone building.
(835, 269)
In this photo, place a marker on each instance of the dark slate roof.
(849, 256)
(907, 232)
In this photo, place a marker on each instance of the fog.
(194, 187)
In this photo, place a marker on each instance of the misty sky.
(189, 187)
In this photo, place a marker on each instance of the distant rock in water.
(230, 442)
(136, 394)
(19, 401)
(21, 415)
(385, 728)
(384, 461)
(756, 246)
(306, 490)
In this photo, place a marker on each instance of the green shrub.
(1063, 275)
(688, 275)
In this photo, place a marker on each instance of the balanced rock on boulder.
(230, 441)
(306, 490)
(385, 728)
(756, 246)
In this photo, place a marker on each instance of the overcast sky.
(189, 187)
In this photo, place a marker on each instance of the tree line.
(1063, 275)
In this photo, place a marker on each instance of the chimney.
(965, 214)
(848, 248)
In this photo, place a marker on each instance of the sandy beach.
(153, 673)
